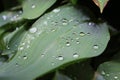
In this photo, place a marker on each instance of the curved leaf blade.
(54, 40)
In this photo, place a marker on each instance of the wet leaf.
(54, 40)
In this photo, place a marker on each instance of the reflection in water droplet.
(95, 46)
(25, 57)
(82, 34)
(33, 6)
(68, 44)
(64, 21)
(60, 58)
(75, 55)
(4, 17)
(116, 77)
(56, 10)
(33, 30)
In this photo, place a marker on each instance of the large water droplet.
(95, 46)
(82, 34)
(115, 77)
(25, 57)
(4, 17)
(56, 10)
(64, 21)
(33, 6)
(67, 44)
(33, 30)
(60, 58)
(75, 55)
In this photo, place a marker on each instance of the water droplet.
(103, 73)
(33, 6)
(33, 30)
(45, 22)
(42, 55)
(53, 63)
(82, 34)
(75, 55)
(25, 57)
(60, 58)
(4, 17)
(95, 46)
(64, 21)
(23, 43)
(56, 10)
(16, 64)
(116, 77)
(67, 43)
(21, 48)
(107, 74)
(91, 24)
(27, 46)
(88, 33)
(77, 42)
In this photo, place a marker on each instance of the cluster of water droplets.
(111, 75)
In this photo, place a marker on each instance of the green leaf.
(111, 70)
(10, 17)
(74, 1)
(101, 4)
(54, 40)
(35, 8)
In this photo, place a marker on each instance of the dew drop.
(27, 46)
(64, 21)
(16, 64)
(91, 24)
(107, 74)
(25, 57)
(33, 6)
(56, 10)
(75, 55)
(21, 48)
(45, 22)
(77, 42)
(103, 73)
(33, 30)
(116, 77)
(60, 58)
(42, 55)
(53, 63)
(95, 46)
(67, 44)
(4, 17)
(82, 34)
